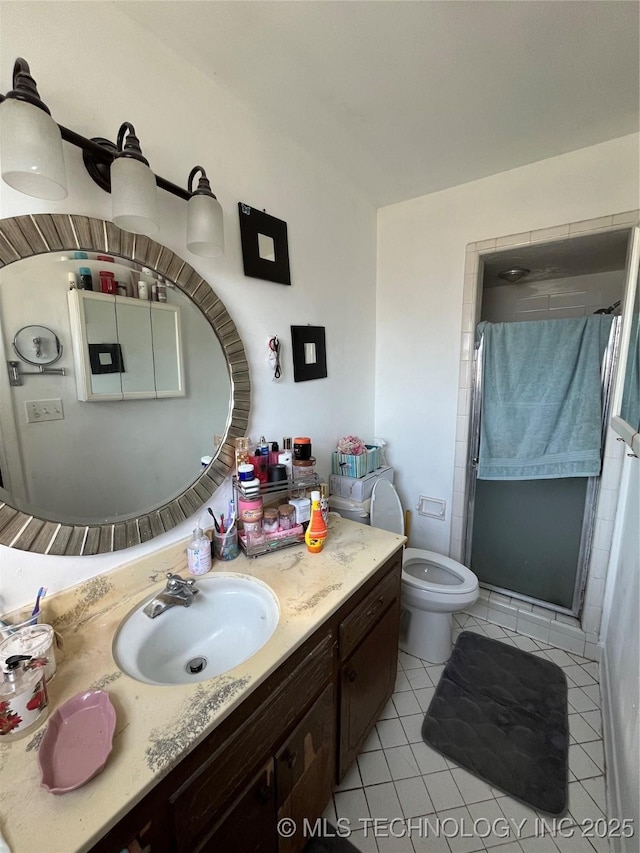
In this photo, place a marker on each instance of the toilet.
(433, 586)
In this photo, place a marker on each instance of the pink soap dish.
(77, 742)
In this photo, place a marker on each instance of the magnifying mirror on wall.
(104, 451)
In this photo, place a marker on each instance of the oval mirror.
(131, 430)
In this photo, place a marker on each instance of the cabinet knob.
(290, 758)
(376, 606)
(265, 793)
(351, 674)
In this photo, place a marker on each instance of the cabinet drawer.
(197, 804)
(358, 624)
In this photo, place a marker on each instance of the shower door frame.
(593, 483)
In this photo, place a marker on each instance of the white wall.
(96, 69)
(576, 296)
(421, 259)
(621, 659)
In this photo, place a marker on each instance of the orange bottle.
(316, 532)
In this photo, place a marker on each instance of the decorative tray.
(77, 742)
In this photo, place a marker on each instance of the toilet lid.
(386, 509)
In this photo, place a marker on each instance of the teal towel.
(541, 398)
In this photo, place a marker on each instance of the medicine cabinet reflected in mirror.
(108, 454)
(626, 418)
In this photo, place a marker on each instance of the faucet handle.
(175, 583)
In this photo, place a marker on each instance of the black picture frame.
(115, 363)
(254, 223)
(303, 369)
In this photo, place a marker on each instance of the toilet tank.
(352, 510)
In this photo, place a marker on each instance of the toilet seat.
(435, 573)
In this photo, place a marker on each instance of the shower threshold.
(526, 599)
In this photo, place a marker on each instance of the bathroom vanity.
(216, 765)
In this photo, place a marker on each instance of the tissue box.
(357, 466)
(358, 488)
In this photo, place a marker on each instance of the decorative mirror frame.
(25, 236)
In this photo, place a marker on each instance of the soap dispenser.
(199, 552)
(23, 696)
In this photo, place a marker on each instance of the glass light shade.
(31, 150)
(205, 226)
(134, 197)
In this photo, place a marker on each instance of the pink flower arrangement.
(351, 445)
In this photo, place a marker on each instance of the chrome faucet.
(177, 591)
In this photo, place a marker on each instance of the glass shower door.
(527, 536)
(531, 539)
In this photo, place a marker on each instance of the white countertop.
(158, 725)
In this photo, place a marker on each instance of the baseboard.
(612, 780)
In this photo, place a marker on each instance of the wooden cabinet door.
(249, 826)
(304, 770)
(367, 679)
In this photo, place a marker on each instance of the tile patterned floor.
(397, 776)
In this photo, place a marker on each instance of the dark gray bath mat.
(332, 843)
(502, 714)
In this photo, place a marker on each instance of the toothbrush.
(41, 594)
(215, 520)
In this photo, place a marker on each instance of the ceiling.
(593, 253)
(407, 98)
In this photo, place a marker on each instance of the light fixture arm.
(204, 187)
(24, 86)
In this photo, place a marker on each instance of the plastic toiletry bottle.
(162, 290)
(316, 533)
(285, 457)
(199, 553)
(85, 280)
(324, 501)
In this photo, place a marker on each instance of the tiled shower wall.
(579, 636)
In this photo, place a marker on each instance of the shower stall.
(531, 538)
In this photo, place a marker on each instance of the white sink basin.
(230, 618)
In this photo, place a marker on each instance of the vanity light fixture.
(134, 198)
(30, 140)
(205, 228)
(33, 163)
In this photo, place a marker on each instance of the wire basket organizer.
(271, 494)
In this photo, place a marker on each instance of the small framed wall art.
(309, 353)
(265, 250)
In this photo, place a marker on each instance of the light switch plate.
(44, 410)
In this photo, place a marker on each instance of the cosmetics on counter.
(263, 470)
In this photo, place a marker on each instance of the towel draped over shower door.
(541, 414)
